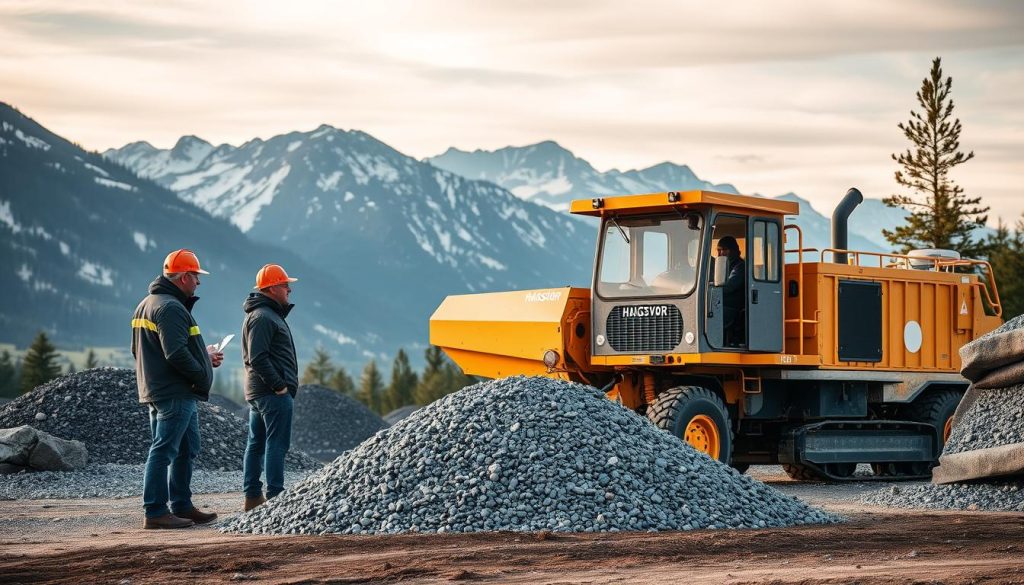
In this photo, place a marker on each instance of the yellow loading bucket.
(508, 333)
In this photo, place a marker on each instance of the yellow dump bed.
(508, 333)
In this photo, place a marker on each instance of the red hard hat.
(182, 261)
(272, 275)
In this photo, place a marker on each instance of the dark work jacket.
(170, 354)
(267, 347)
(734, 295)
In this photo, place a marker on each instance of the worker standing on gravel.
(174, 369)
(271, 380)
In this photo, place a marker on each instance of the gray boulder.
(25, 446)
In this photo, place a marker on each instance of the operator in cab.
(734, 294)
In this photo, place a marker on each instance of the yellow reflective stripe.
(193, 330)
(143, 324)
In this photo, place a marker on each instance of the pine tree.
(433, 383)
(71, 367)
(941, 216)
(320, 370)
(90, 360)
(403, 383)
(343, 383)
(371, 387)
(9, 384)
(40, 364)
(1007, 259)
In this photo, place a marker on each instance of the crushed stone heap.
(996, 418)
(326, 423)
(100, 407)
(524, 454)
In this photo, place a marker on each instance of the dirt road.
(98, 541)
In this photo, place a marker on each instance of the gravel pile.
(524, 454)
(112, 481)
(996, 418)
(100, 407)
(991, 496)
(398, 414)
(325, 423)
(239, 410)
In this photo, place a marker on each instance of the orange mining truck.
(700, 318)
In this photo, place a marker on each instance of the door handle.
(753, 298)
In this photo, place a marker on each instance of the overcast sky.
(770, 96)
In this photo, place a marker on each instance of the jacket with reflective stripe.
(170, 354)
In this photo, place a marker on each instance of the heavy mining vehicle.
(824, 359)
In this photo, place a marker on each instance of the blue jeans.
(270, 436)
(175, 427)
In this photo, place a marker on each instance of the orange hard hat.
(272, 275)
(182, 261)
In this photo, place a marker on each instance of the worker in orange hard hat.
(174, 369)
(271, 380)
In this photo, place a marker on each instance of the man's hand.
(282, 391)
(216, 357)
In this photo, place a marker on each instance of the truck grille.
(644, 328)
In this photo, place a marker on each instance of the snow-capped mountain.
(84, 236)
(388, 225)
(551, 175)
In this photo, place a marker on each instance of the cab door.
(764, 295)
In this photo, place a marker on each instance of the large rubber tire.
(936, 409)
(694, 409)
(801, 473)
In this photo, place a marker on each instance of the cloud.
(773, 97)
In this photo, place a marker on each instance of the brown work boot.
(196, 516)
(167, 521)
(251, 503)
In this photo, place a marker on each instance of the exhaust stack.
(840, 238)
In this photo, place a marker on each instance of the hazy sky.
(770, 96)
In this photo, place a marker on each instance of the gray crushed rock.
(996, 418)
(326, 423)
(100, 407)
(1004, 496)
(524, 454)
(239, 410)
(112, 481)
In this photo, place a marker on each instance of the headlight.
(551, 358)
(600, 339)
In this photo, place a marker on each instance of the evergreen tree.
(941, 216)
(90, 360)
(343, 383)
(71, 367)
(440, 378)
(403, 383)
(371, 387)
(1007, 259)
(320, 370)
(9, 383)
(40, 364)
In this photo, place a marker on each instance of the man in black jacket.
(271, 380)
(174, 369)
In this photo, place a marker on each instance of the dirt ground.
(99, 541)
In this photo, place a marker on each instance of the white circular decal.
(912, 336)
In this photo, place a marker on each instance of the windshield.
(649, 256)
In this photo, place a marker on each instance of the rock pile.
(25, 448)
(239, 410)
(524, 454)
(996, 418)
(1003, 496)
(100, 407)
(325, 423)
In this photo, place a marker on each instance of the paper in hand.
(224, 342)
